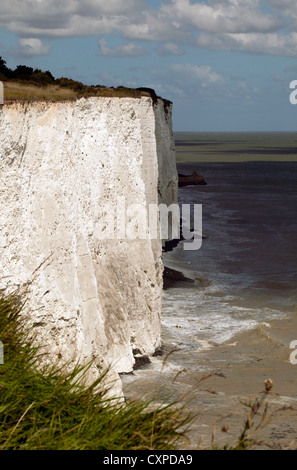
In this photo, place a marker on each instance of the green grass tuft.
(43, 408)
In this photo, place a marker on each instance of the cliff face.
(68, 171)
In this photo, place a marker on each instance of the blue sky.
(226, 65)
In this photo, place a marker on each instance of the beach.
(241, 367)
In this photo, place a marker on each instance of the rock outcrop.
(68, 172)
(193, 179)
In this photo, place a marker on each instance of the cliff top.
(27, 84)
(22, 90)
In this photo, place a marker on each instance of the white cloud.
(241, 25)
(233, 16)
(253, 43)
(195, 74)
(187, 80)
(286, 7)
(110, 7)
(169, 48)
(134, 18)
(32, 47)
(60, 18)
(123, 50)
(190, 81)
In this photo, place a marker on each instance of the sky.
(226, 65)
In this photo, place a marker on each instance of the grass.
(20, 91)
(16, 90)
(42, 408)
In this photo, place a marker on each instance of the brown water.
(239, 315)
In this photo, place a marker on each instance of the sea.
(235, 314)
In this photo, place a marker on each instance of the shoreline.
(237, 370)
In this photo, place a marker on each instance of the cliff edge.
(68, 172)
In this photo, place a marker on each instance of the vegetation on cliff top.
(43, 408)
(26, 83)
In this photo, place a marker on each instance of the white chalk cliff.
(65, 170)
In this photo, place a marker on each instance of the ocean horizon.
(235, 146)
